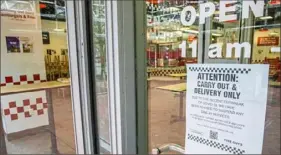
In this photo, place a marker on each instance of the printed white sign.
(22, 17)
(225, 108)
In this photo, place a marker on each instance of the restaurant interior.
(34, 50)
(36, 100)
(36, 107)
(167, 72)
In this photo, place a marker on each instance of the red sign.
(268, 41)
(155, 1)
(274, 2)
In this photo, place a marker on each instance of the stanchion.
(168, 147)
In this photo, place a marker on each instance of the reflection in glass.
(99, 42)
(165, 33)
(36, 103)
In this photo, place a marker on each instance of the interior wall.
(260, 52)
(26, 110)
(16, 64)
(58, 39)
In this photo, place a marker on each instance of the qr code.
(213, 135)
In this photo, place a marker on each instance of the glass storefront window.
(36, 101)
(169, 25)
(36, 110)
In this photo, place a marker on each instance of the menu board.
(46, 37)
(225, 108)
(268, 41)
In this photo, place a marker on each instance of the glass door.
(39, 85)
(247, 34)
(110, 44)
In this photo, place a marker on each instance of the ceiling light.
(184, 28)
(275, 49)
(262, 29)
(265, 17)
(171, 9)
(59, 30)
(216, 34)
(191, 31)
(273, 33)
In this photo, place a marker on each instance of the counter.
(27, 106)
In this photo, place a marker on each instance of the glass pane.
(263, 35)
(265, 51)
(99, 43)
(166, 35)
(166, 67)
(36, 104)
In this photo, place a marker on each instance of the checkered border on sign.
(220, 70)
(13, 110)
(214, 144)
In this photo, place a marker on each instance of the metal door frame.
(121, 74)
(126, 75)
(141, 76)
(81, 73)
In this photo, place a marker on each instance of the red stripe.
(16, 83)
(7, 112)
(12, 104)
(36, 77)
(23, 78)
(9, 79)
(14, 117)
